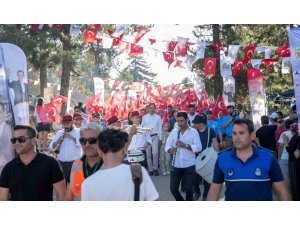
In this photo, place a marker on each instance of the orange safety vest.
(77, 176)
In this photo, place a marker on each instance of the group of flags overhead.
(175, 52)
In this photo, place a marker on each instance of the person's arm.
(4, 194)
(69, 194)
(60, 189)
(281, 191)
(214, 192)
(215, 144)
(224, 125)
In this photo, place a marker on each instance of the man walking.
(249, 172)
(183, 143)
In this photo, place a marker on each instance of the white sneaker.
(168, 173)
(164, 173)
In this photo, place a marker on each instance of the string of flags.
(175, 52)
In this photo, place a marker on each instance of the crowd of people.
(253, 165)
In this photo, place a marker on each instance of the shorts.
(43, 127)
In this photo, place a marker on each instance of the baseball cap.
(199, 119)
(135, 113)
(274, 115)
(112, 120)
(67, 118)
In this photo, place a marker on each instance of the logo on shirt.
(257, 172)
(230, 172)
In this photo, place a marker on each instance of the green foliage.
(138, 70)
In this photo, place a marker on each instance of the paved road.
(162, 184)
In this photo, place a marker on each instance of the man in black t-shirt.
(265, 135)
(208, 138)
(31, 176)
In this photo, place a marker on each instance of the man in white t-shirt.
(113, 182)
(283, 155)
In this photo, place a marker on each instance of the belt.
(152, 135)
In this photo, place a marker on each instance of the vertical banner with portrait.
(17, 81)
(229, 90)
(257, 95)
(294, 39)
(6, 110)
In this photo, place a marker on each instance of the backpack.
(137, 178)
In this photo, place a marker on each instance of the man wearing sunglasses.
(113, 182)
(66, 143)
(89, 163)
(31, 176)
(78, 119)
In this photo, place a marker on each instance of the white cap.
(274, 115)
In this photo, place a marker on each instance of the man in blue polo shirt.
(249, 172)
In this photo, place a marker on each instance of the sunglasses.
(91, 140)
(95, 116)
(20, 139)
(78, 119)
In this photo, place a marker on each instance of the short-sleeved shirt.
(266, 137)
(32, 182)
(204, 135)
(249, 181)
(228, 129)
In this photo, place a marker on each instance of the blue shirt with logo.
(247, 181)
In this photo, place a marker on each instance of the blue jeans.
(187, 175)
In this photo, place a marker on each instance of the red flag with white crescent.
(217, 47)
(182, 46)
(171, 46)
(237, 67)
(249, 51)
(140, 33)
(152, 41)
(135, 50)
(219, 107)
(169, 57)
(284, 51)
(204, 101)
(116, 41)
(210, 66)
(89, 36)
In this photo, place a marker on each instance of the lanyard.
(96, 167)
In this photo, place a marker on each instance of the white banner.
(286, 65)
(232, 52)
(75, 29)
(268, 52)
(200, 49)
(256, 63)
(229, 90)
(99, 88)
(257, 95)
(16, 74)
(294, 40)
(225, 67)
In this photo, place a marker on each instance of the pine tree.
(138, 70)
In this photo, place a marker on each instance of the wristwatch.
(186, 145)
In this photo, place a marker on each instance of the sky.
(162, 33)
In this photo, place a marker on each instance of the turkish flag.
(253, 74)
(135, 50)
(237, 67)
(116, 41)
(210, 66)
(92, 104)
(53, 109)
(117, 85)
(169, 57)
(171, 46)
(140, 33)
(180, 98)
(249, 51)
(182, 46)
(89, 36)
(217, 46)
(53, 114)
(95, 26)
(219, 107)
(268, 62)
(284, 51)
(204, 101)
(178, 63)
(152, 41)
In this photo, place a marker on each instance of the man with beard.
(66, 144)
(31, 176)
(249, 172)
(88, 164)
(183, 142)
